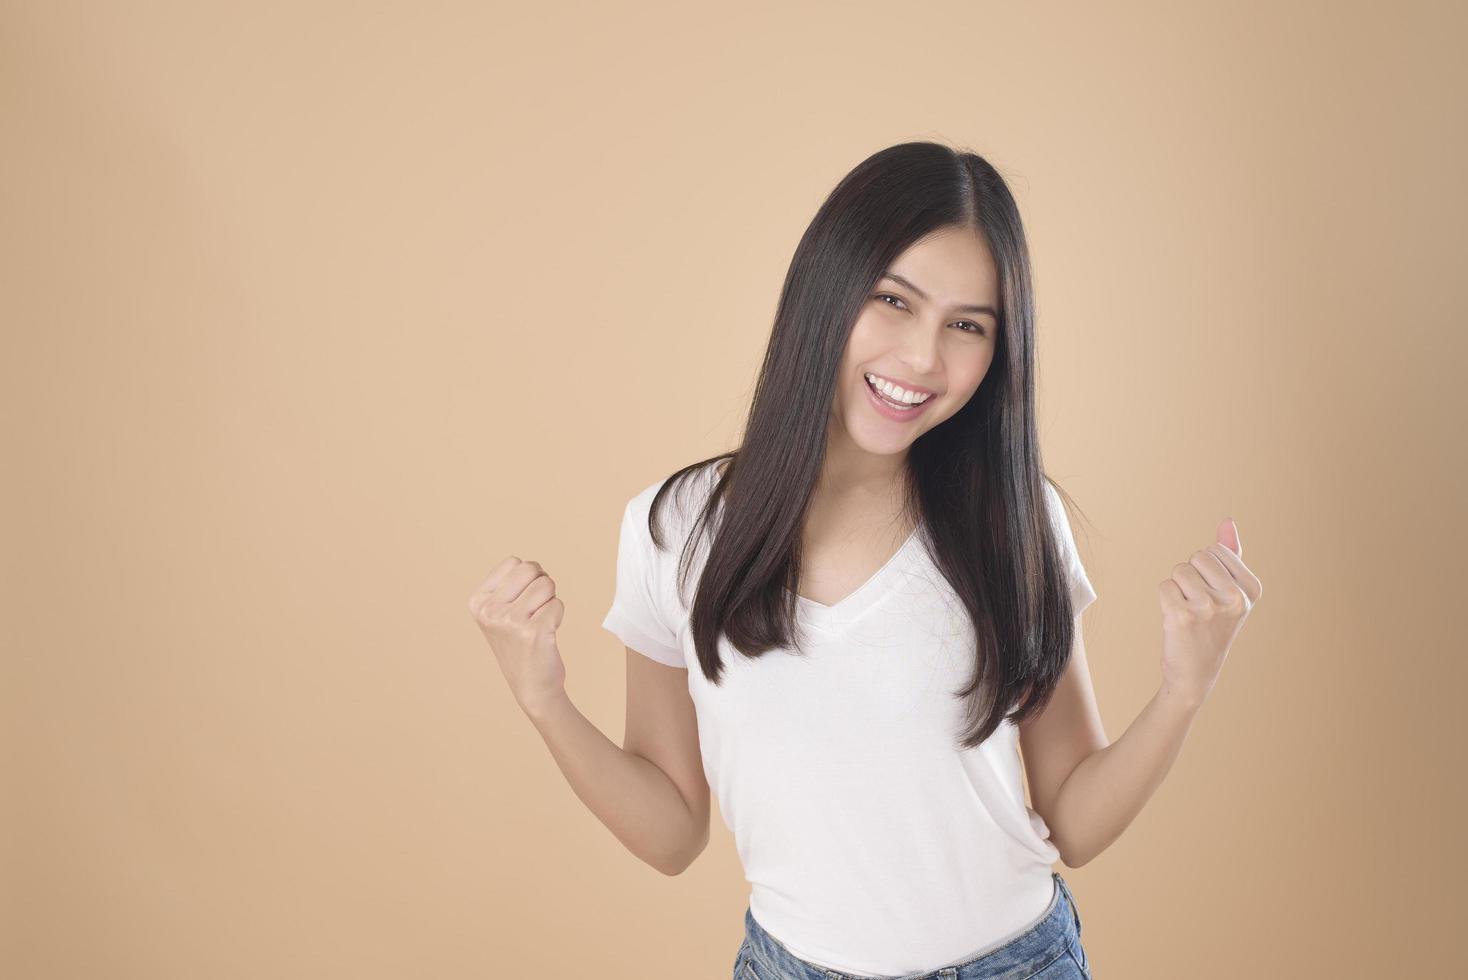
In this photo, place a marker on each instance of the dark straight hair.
(974, 482)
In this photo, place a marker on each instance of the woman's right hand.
(517, 611)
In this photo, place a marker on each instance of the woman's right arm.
(650, 792)
(646, 793)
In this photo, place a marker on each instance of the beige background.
(313, 312)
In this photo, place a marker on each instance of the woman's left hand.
(1204, 604)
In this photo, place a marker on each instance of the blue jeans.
(1049, 950)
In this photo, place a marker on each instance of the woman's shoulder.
(689, 484)
(684, 493)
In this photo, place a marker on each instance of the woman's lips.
(886, 409)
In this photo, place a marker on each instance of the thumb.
(1228, 536)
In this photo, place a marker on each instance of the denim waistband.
(1020, 957)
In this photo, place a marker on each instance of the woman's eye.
(972, 327)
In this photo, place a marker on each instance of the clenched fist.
(1204, 604)
(517, 611)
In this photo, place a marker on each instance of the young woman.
(852, 625)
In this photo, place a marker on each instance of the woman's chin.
(880, 439)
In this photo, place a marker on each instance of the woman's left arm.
(1088, 803)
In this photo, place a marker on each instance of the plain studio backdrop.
(314, 311)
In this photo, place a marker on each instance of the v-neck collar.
(848, 607)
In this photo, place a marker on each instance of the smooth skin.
(650, 792)
(916, 326)
(929, 321)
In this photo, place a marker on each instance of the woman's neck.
(860, 493)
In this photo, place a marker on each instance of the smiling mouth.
(896, 405)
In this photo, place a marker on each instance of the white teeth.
(895, 392)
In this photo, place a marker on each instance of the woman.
(872, 608)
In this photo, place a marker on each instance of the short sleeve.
(636, 616)
(1082, 594)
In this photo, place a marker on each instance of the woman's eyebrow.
(971, 308)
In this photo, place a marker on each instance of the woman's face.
(930, 326)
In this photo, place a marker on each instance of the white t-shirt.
(871, 843)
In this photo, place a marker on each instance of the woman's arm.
(1089, 794)
(638, 802)
(517, 611)
(1108, 788)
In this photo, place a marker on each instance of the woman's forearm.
(635, 799)
(1106, 791)
(1204, 603)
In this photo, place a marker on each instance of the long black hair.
(974, 481)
